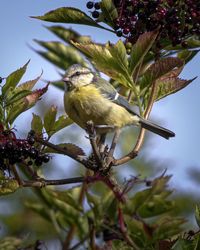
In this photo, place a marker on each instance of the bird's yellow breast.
(87, 103)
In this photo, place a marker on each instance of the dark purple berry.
(95, 14)
(31, 140)
(38, 162)
(119, 33)
(97, 6)
(126, 31)
(90, 5)
(45, 158)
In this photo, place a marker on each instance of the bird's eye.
(78, 73)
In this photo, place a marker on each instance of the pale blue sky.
(179, 112)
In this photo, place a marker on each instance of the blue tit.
(89, 97)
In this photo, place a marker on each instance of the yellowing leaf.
(36, 124)
(49, 119)
(70, 148)
(109, 59)
(8, 186)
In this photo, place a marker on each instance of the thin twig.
(141, 135)
(43, 182)
(92, 138)
(64, 151)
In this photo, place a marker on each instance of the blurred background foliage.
(30, 213)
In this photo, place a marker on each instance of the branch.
(64, 151)
(92, 138)
(141, 135)
(42, 182)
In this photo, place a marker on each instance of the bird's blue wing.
(109, 92)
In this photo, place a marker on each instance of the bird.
(89, 97)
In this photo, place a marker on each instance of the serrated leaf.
(109, 12)
(68, 15)
(24, 104)
(155, 207)
(183, 244)
(163, 67)
(141, 48)
(167, 227)
(17, 96)
(36, 124)
(68, 35)
(28, 85)
(187, 55)
(144, 197)
(106, 59)
(68, 54)
(8, 186)
(49, 119)
(22, 88)
(168, 86)
(70, 148)
(62, 122)
(68, 198)
(13, 79)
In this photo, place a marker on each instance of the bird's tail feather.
(156, 129)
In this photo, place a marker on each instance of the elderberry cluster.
(96, 6)
(176, 20)
(13, 150)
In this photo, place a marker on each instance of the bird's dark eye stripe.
(78, 73)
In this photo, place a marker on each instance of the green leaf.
(109, 12)
(68, 15)
(166, 227)
(55, 59)
(63, 53)
(24, 104)
(17, 96)
(146, 199)
(141, 48)
(49, 119)
(21, 91)
(8, 186)
(155, 207)
(187, 55)
(36, 124)
(68, 35)
(109, 59)
(28, 85)
(170, 85)
(62, 122)
(13, 79)
(69, 197)
(183, 244)
(70, 148)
